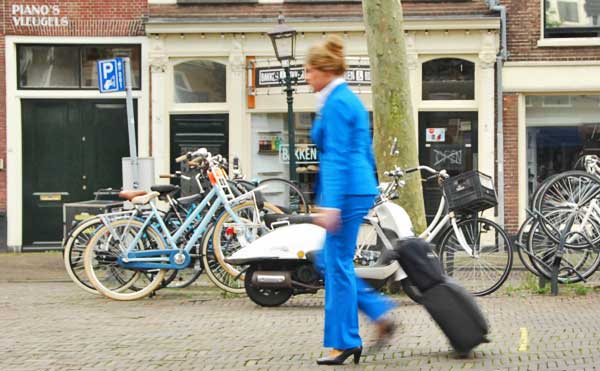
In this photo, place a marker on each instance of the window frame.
(198, 106)
(422, 79)
(79, 48)
(575, 32)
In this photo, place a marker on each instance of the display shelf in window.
(269, 144)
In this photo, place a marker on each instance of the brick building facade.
(551, 93)
(445, 39)
(59, 34)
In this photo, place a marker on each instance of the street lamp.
(283, 38)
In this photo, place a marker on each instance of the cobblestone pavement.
(52, 325)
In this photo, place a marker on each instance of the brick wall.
(524, 19)
(85, 17)
(311, 10)
(511, 163)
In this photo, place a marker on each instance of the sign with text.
(305, 154)
(38, 15)
(273, 76)
(111, 75)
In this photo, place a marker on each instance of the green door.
(71, 148)
(190, 132)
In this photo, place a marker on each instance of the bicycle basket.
(471, 191)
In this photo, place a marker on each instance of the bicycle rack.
(560, 251)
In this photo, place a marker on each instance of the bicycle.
(465, 240)
(136, 245)
(566, 204)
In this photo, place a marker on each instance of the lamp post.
(283, 38)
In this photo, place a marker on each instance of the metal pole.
(131, 123)
(291, 127)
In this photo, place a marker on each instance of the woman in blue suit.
(346, 189)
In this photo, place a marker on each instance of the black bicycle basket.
(471, 191)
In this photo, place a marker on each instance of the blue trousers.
(344, 292)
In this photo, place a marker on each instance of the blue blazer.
(341, 134)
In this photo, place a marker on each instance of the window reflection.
(89, 72)
(200, 82)
(71, 66)
(448, 79)
(48, 67)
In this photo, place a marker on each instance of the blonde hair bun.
(328, 55)
(335, 45)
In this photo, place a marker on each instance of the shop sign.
(38, 15)
(273, 76)
(305, 154)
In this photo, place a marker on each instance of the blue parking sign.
(111, 75)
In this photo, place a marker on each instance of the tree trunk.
(392, 109)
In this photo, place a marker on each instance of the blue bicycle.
(147, 248)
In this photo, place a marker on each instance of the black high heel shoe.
(341, 358)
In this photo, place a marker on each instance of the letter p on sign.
(110, 75)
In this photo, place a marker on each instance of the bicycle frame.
(166, 259)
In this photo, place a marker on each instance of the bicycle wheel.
(74, 248)
(103, 250)
(522, 244)
(215, 271)
(487, 268)
(584, 261)
(229, 237)
(285, 195)
(571, 194)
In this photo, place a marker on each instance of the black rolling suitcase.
(457, 314)
(449, 304)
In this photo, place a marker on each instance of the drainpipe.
(500, 58)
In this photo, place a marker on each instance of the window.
(48, 67)
(559, 134)
(70, 66)
(90, 54)
(200, 82)
(448, 79)
(571, 18)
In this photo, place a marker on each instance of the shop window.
(200, 82)
(559, 135)
(70, 66)
(571, 18)
(448, 79)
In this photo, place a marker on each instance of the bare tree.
(392, 100)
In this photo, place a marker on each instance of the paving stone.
(55, 326)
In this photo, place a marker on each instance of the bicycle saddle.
(190, 199)
(131, 194)
(144, 199)
(164, 188)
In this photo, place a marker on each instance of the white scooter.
(280, 263)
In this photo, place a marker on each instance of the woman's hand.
(327, 218)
